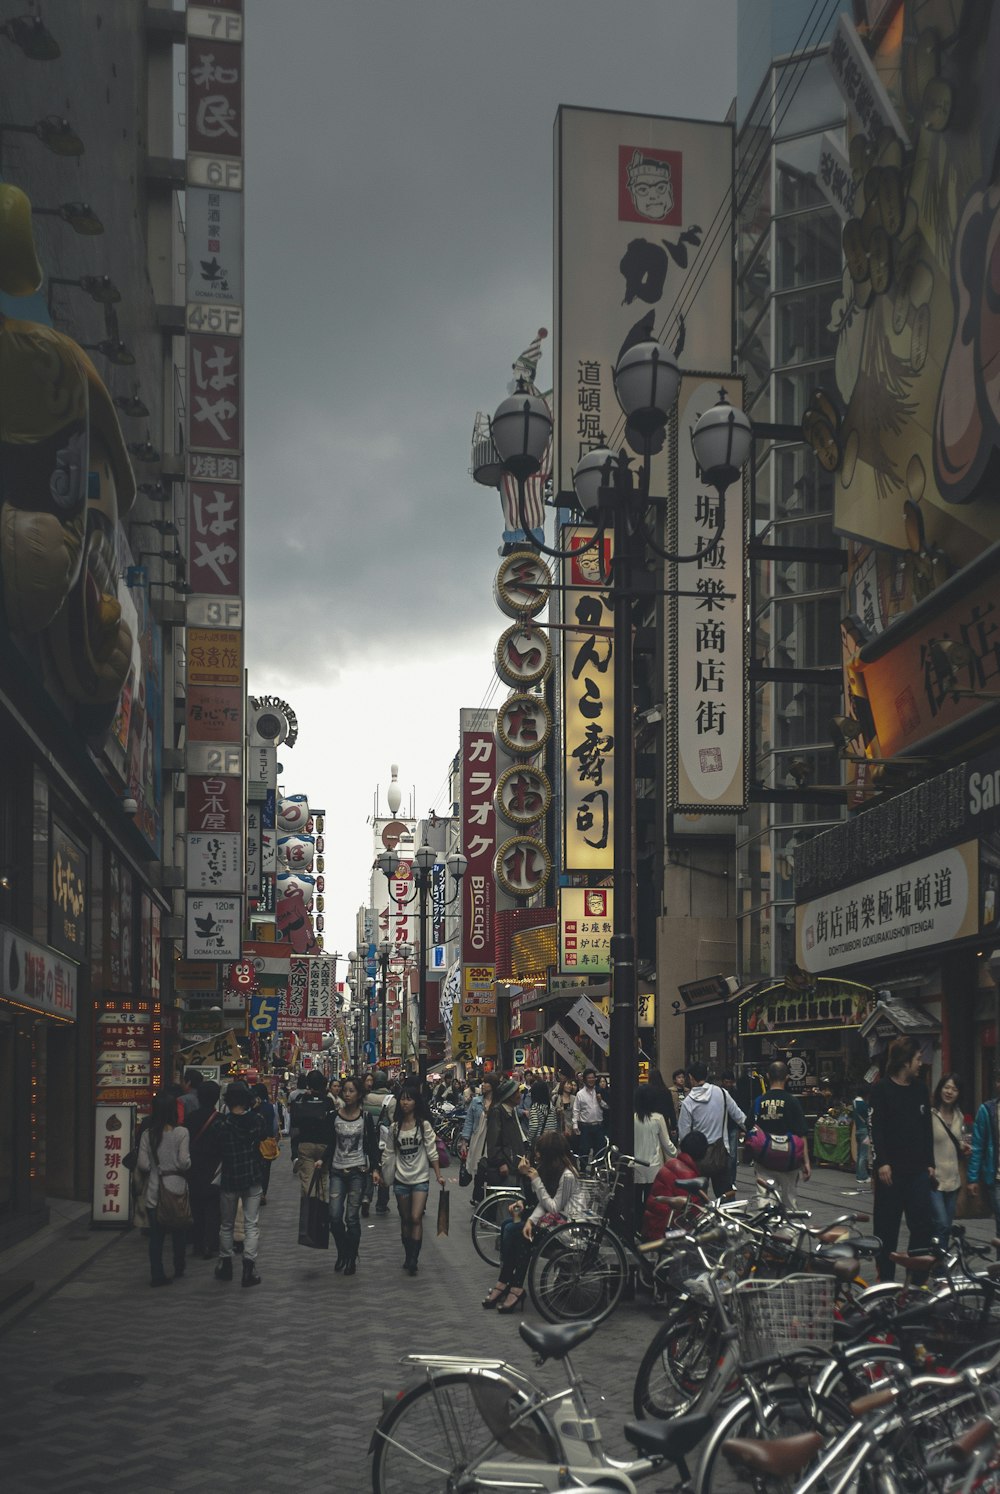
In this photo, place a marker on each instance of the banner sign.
(213, 928)
(931, 901)
(586, 918)
(591, 1021)
(222, 1048)
(68, 893)
(559, 1039)
(37, 976)
(215, 538)
(588, 706)
(214, 714)
(479, 991)
(320, 997)
(706, 653)
(639, 226)
(114, 1132)
(463, 1035)
(861, 88)
(478, 835)
(215, 862)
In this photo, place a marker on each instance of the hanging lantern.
(318, 921)
(319, 863)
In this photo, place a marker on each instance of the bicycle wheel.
(577, 1272)
(677, 1363)
(487, 1218)
(785, 1411)
(432, 1434)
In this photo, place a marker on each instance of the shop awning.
(899, 1019)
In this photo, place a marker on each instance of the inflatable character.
(65, 481)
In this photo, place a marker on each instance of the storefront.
(924, 920)
(710, 1021)
(813, 1023)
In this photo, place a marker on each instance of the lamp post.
(647, 381)
(422, 871)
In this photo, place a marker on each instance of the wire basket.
(778, 1317)
(591, 1197)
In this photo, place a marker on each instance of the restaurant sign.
(586, 916)
(588, 705)
(35, 976)
(810, 1007)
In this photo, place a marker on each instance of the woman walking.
(554, 1181)
(563, 1106)
(950, 1151)
(409, 1157)
(541, 1116)
(267, 1115)
(355, 1155)
(165, 1153)
(651, 1145)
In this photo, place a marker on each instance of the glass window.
(793, 389)
(806, 98)
(807, 249)
(802, 486)
(802, 325)
(754, 285)
(795, 165)
(755, 352)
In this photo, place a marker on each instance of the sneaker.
(365, 1208)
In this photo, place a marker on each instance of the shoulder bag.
(173, 1210)
(967, 1205)
(717, 1158)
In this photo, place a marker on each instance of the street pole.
(622, 1058)
(385, 978)
(423, 876)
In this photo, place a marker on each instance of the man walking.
(241, 1182)
(902, 1151)
(708, 1109)
(589, 1107)
(778, 1113)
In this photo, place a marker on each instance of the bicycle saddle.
(913, 1262)
(669, 1439)
(783, 1457)
(555, 1340)
(689, 1185)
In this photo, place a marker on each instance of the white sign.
(215, 862)
(588, 705)
(214, 246)
(268, 851)
(643, 218)
(253, 850)
(559, 1039)
(591, 1021)
(926, 902)
(586, 921)
(262, 771)
(320, 986)
(37, 976)
(216, 25)
(212, 760)
(213, 928)
(835, 178)
(705, 656)
(860, 86)
(111, 1200)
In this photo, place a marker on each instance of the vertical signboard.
(641, 206)
(214, 321)
(114, 1129)
(478, 831)
(588, 705)
(706, 653)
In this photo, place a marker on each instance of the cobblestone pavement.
(109, 1387)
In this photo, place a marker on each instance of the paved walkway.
(109, 1387)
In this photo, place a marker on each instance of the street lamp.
(647, 381)
(422, 871)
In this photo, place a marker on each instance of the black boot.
(351, 1266)
(224, 1270)
(250, 1277)
(407, 1246)
(414, 1256)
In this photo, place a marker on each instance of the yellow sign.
(214, 656)
(479, 990)
(221, 1049)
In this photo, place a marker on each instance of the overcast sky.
(398, 258)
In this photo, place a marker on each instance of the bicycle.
(489, 1214)
(476, 1424)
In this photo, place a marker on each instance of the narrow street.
(110, 1388)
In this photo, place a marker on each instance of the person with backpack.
(780, 1124)
(709, 1109)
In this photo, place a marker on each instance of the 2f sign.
(221, 25)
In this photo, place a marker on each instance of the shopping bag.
(314, 1220)
(444, 1209)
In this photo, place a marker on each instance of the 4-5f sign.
(264, 1013)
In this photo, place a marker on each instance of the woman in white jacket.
(555, 1182)
(651, 1146)
(408, 1158)
(165, 1153)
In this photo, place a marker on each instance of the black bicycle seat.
(555, 1340)
(841, 1250)
(689, 1185)
(669, 1439)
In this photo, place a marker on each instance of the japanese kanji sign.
(214, 656)
(36, 976)
(478, 832)
(479, 991)
(214, 714)
(214, 97)
(214, 246)
(114, 1129)
(215, 862)
(215, 392)
(638, 227)
(705, 655)
(859, 83)
(215, 538)
(213, 928)
(214, 803)
(591, 1021)
(586, 916)
(588, 706)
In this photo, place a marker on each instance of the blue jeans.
(943, 1207)
(910, 1194)
(251, 1221)
(590, 1139)
(346, 1192)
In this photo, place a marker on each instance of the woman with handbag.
(409, 1157)
(554, 1180)
(269, 1148)
(355, 1155)
(950, 1152)
(709, 1109)
(165, 1152)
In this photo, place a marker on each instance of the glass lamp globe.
(521, 428)
(589, 475)
(721, 441)
(646, 382)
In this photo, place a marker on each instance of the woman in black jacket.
(354, 1154)
(505, 1141)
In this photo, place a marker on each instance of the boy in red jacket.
(687, 1164)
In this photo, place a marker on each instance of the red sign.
(214, 97)
(214, 803)
(649, 185)
(294, 923)
(297, 989)
(478, 846)
(214, 713)
(215, 392)
(242, 977)
(215, 538)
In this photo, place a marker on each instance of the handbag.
(314, 1218)
(387, 1171)
(784, 1153)
(269, 1148)
(444, 1211)
(444, 1156)
(464, 1175)
(173, 1210)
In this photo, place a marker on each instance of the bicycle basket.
(590, 1198)
(778, 1317)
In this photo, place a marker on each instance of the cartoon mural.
(917, 446)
